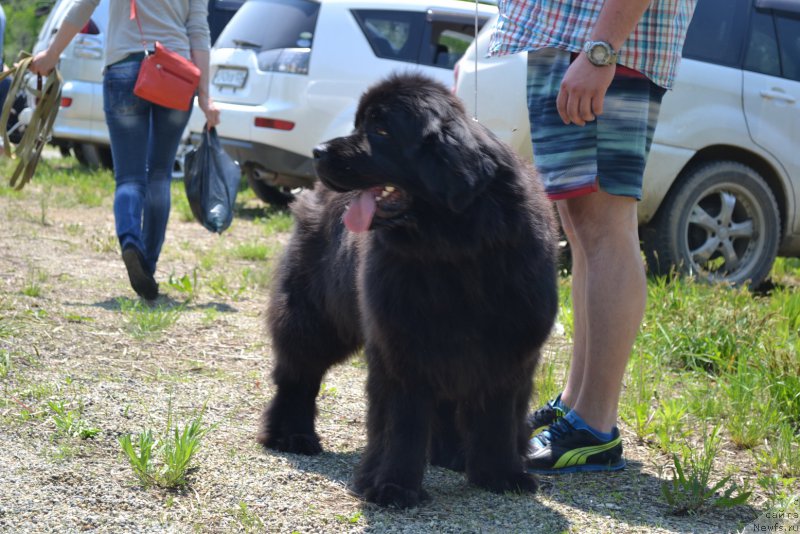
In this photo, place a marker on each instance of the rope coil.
(38, 131)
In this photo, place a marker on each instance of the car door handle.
(778, 94)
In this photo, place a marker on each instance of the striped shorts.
(608, 153)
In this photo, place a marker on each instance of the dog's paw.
(295, 443)
(516, 482)
(389, 494)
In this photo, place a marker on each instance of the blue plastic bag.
(211, 178)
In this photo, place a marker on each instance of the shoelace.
(558, 429)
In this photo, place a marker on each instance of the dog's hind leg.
(447, 443)
(492, 444)
(305, 347)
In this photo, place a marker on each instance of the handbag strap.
(138, 23)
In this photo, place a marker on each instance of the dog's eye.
(383, 132)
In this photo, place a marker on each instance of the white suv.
(722, 187)
(287, 74)
(81, 125)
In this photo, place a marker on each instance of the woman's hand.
(209, 109)
(44, 62)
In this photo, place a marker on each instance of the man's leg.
(609, 299)
(578, 292)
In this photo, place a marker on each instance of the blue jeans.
(144, 141)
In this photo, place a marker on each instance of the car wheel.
(92, 155)
(277, 196)
(721, 224)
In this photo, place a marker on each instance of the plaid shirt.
(654, 47)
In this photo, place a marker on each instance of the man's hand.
(580, 98)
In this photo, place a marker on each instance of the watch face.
(598, 54)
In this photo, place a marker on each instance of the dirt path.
(68, 338)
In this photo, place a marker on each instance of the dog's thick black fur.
(447, 279)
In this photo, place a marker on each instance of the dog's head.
(413, 149)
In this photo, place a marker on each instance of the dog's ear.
(455, 165)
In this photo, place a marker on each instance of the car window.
(391, 34)
(715, 33)
(220, 12)
(788, 28)
(762, 47)
(246, 28)
(448, 40)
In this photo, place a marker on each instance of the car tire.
(277, 196)
(93, 156)
(719, 223)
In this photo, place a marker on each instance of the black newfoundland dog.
(432, 246)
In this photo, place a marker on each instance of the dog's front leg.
(492, 444)
(398, 424)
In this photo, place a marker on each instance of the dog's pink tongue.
(358, 216)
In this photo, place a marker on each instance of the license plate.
(227, 77)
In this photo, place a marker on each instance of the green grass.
(69, 423)
(165, 460)
(145, 321)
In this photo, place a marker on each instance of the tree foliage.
(23, 21)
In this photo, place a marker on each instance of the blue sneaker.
(565, 448)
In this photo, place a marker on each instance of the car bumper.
(290, 169)
(83, 120)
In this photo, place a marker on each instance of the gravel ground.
(68, 339)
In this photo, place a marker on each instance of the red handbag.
(165, 77)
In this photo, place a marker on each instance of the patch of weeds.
(33, 283)
(77, 318)
(210, 316)
(546, 386)
(74, 229)
(565, 315)
(328, 391)
(781, 491)
(69, 423)
(690, 490)
(636, 406)
(257, 278)
(5, 363)
(104, 243)
(668, 423)
(252, 251)
(147, 321)
(751, 414)
(186, 284)
(351, 519)
(219, 286)
(164, 461)
(247, 518)
(781, 453)
(180, 204)
(359, 361)
(276, 221)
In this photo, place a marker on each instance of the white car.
(81, 125)
(721, 191)
(287, 74)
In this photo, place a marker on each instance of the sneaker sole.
(143, 284)
(585, 468)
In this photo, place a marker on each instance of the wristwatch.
(600, 53)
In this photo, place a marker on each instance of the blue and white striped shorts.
(608, 153)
